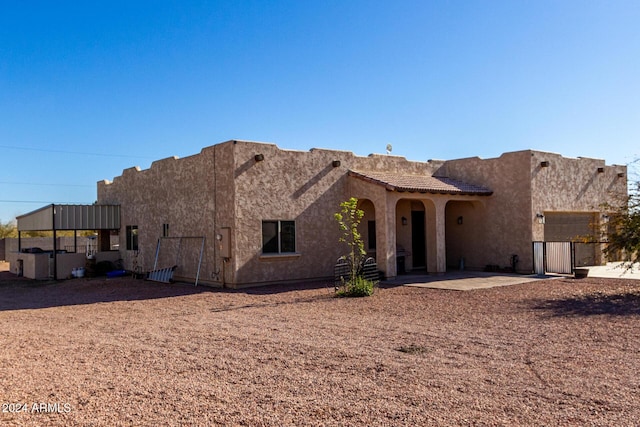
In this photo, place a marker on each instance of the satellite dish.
(389, 148)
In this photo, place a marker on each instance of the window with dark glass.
(371, 231)
(165, 230)
(278, 237)
(132, 237)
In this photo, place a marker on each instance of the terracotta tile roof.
(421, 183)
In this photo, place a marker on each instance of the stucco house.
(245, 213)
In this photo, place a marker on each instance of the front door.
(418, 246)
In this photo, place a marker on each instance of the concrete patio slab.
(464, 280)
(615, 270)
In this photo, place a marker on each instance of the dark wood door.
(418, 244)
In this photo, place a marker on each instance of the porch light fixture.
(460, 220)
(258, 157)
(600, 170)
(404, 221)
(336, 163)
(540, 218)
(544, 164)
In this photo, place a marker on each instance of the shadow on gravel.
(21, 294)
(597, 303)
(282, 288)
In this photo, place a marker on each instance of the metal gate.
(553, 257)
(342, 270)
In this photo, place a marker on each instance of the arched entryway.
(464, 234)
(411, 238)
(405, 215)
(416, 241)
(367, 227)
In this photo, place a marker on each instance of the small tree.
(624, 224)
(348, 220)
(8, 229)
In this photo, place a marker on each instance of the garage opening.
(581, 228)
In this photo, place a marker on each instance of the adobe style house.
(245, 213)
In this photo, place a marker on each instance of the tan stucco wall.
(590, 183)
(502, 226)
(303, 186)
(466, 240)
(180, 192)
(573, 185)
(67, 262)
(39, 266)
(287, 185)
(34, 266)
(522, 188)
(224, 188)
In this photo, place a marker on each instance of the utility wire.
(72, 152)
(47, 202)
(46, 184)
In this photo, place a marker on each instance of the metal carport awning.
(69, 218)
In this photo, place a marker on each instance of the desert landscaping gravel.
(125, 352)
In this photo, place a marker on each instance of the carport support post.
(55, 248)
(104, 240)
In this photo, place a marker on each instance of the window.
(132, 237)
(165, 230)
(278, 237)
(371, 231)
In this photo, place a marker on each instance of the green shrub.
(348, 220)
(358, 287)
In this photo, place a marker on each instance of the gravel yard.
(104, 352)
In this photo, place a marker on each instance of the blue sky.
(88, 89)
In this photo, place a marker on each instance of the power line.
(45, 184)
(46, 202)
(72, 152)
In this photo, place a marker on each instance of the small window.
(278, 237)
(165, 230)
(371, 231)
(132, 237)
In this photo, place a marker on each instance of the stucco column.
(436, 236)
(386, 230)
(441, 237)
